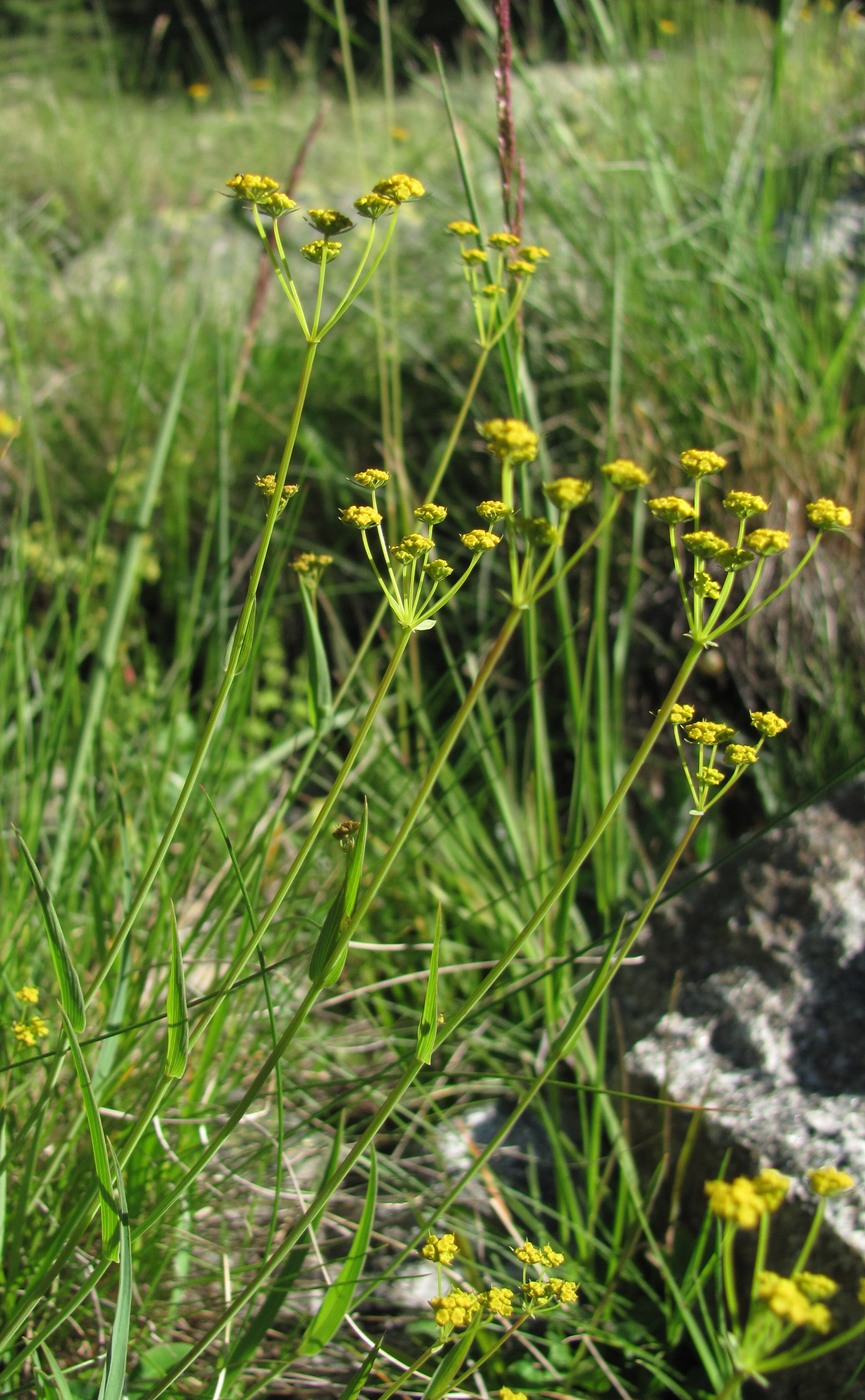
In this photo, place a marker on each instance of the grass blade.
(99, 1144)
(355, 1386)
(71, 999)
(426, 1031)
(113, 1385)
(318, 685)
(337, 1299)
(177, 1046)
(323, 967)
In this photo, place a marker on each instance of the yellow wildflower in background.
(626, 475)
(826, 515)
(697, 462)
(828, 1181)
(30, 995)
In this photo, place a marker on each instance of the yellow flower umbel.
(779, 1307)
(31, 1028)
(709, 783)
(267, 487)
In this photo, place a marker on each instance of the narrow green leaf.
(355, 1386)
(99, 1145)
(177, 1047)
(245, 645)
(443, 1375)
(4, 1179)
(426, 1031)
(70, 988)
(58, 1377)
(113, 1385)
(321, 968)
(319, 687)
(279, 1288)
(337, 1300)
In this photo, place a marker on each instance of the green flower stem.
(459, 423)
(411, 1370)
(778, 1363)
(279, 263)
(737, 618)
(811, 1237)
(314, 332)
(728, 1273)
(214, 721)
(347, 297)
(358, 284)
(732, 1388)
(580, 856)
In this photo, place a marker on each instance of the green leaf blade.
(71, 998)
(177, 1046)
(337, 1300)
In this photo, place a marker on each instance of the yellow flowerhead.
(503, 240)
(321, 250)
(473, 256)
(455, 1309)
(510, 439)
(499, 1301)
(567, 492)
(768, 723)
(826, 515)
(438, 570)
(697, 463)
(30, 995)
(494, 510)
(671, 509)
(828, 1181)
(531, 252)
(362, 517)
(744, 504)
(372, 478)
(328, 221)
(478, 541)
(625, 475)
(430, 514)
(740, 755)
(682, 714)
(816, 1287)
(737, 1201)
(400, 188)
(462, 228)
(772, 1185)
(442, 1249)
(372, 206)
(765, 542)
(705, 731)
(704, 544)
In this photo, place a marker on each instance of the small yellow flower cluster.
(362, 517)
(399, 188)
(411, 547)
(816, 1287)
(744, 504)
(493, 511)
(267, 487)
(311, 565)
(671, 509)
(704, 586)
(786, 1300)
(27, 1032)
(625, 475)
(537, 531)
(510, 439)
(372, 478)
(744, 1200)
(501, 241)
(455, 1309)
(768, 723)
(682, 714)
(328, 221)
(529, 1253)
(463, 228)
(478, 541)
(699, 463)
(740, 755)
(321, 250)
(438, 570)
(828, 1181)
(474, 257)
(826, 515)
(442, 1249)
(263, 192)
(507, 1394)
(430, 514)
(713, 777)
(705, 731)
(704, 544)
(567, 492)
(499, 1301)
(766, 542)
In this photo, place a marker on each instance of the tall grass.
(269, 1097)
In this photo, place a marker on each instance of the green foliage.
(282, 1043)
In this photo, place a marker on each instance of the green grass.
(152, 389)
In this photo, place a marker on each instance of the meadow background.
(697, 171)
